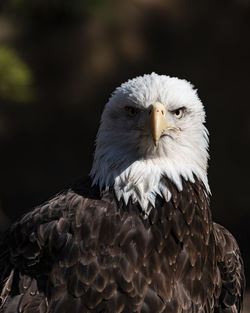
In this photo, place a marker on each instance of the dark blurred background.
(60, 60)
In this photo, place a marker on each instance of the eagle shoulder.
(34, 243)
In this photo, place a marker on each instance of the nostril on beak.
(157, 108)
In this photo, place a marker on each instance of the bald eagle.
(137, 235)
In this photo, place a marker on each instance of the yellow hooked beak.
(157, 121)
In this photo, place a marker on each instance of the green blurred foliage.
(15, 77)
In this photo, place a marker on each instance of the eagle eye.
(178, 113)
(131, 111)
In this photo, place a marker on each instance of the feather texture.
(85, 251)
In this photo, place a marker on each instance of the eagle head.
(151, 127)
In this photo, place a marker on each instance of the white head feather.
(126, 157)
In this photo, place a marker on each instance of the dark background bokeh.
(60, 60)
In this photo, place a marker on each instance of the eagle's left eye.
(131, 110)
(178, 113)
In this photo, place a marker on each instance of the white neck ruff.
(142, 180)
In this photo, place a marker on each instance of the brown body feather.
(84, 251)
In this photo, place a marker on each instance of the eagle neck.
(185, 206)
(143, 181)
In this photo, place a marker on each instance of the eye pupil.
(131, 110)
(178, 112)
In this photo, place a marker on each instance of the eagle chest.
(116, 254)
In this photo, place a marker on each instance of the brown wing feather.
(231, 270)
